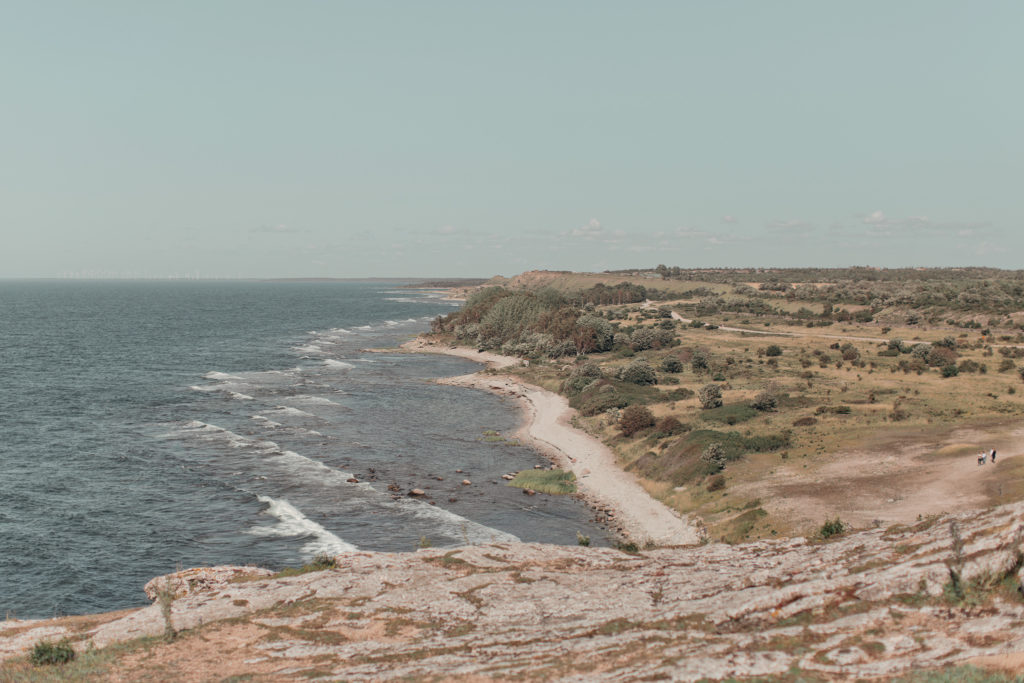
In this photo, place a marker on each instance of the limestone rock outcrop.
(875, 603)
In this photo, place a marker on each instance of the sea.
(149, 426)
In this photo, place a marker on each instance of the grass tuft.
(546, 481)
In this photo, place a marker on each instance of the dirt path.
(599, 478)
(776, 333)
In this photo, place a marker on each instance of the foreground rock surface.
(872, 604)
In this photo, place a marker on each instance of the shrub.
(765, 401)
(581, 377)
(700, 360)
(593, 334)
(832, 527)
(669, 426)
(773, 350)
(45, 652)
(716, 483)
(639, 372)
(968, 365)
(598, 397)
(834, 410)
(710, 396)
(805, 422)
(1006, 365)
(849, 352)
(643, 338)
(635, 418)
(941, 355)
(673, 364)
(950, 370)
(582, 540)
(713, 458)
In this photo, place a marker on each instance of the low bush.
(635, 418)
(639, 372)
(673, 364)
(765, 401)
(833, 410)
(713, 458)
(968, 365)
(669, 426)
(581, 377)
(805, 422)
(599, 396)
(44, 653)
(716, 483)
(710, 396)
(773, 350)
(832, 527)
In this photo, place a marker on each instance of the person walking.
(993, 456)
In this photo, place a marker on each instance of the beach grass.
(546, 481)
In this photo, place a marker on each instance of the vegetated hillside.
(765, 413)
(917, 601)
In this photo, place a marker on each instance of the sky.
(382, 138)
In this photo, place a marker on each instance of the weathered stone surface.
(870, 604)
(201, 580)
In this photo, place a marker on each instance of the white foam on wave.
(213, 374)
(291, 522)
(317, 400)
(338, 364)
(365, 327)
(270, 424)
(308, 348)
(448, 523)
(322, 474)
(210, 432)
(239, 396)
(288, 410)
(456, 526)
(390, 323)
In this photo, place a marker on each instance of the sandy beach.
(547, 428)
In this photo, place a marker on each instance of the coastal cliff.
(877, 603)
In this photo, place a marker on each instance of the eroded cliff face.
(873, 603)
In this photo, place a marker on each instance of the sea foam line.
(291, 522)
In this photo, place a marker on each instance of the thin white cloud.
(730, 219)
(447, 230)
(591, 230)
(881, 225)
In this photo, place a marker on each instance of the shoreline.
(546, 427)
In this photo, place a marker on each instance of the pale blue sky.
(275, 139)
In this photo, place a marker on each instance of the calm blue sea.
(150, 426)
